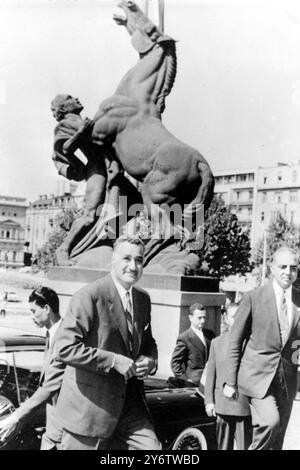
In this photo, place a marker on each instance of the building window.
(265, 179)
(14, 256)
(3, 213)
(250, 177)
(249, 211)
(278, 197)
(262, 216)
(292, 215)
(250, 195)
(241, 178)
(238, 194)
(264, 197)
(279, 177)
(15, 215)
(293, 196)
(7, 233)
(294, 176)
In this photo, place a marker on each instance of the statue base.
(171, 296)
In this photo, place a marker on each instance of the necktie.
(283, 318)
(47, 343)
(129, 319)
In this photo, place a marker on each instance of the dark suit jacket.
(92, 394)
(257, 323)
(190, 355)
(47, 393)
(215, 378)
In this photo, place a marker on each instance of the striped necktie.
(129, 319)
(283, 318)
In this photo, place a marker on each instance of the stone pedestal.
(171, 296)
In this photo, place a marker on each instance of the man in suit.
(192, 347)
(44, 306)
(233, 417)
(107, 345)
(266, 371)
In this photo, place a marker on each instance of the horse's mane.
(170, 74)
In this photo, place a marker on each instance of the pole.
(161, 13)
(155, 10)
(264, 265)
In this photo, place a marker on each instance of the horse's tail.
(170, 70)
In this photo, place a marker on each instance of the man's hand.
(230, 392)
(144, 366)
(125, 366)
(210, 409)
(9, 426)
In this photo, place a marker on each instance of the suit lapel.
(197, 341)
(296, 308)
(46, 362)
(269, 308)
(138, 312)
(116, 309)
(48, 356)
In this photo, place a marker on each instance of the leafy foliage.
(226, 249)
(46, 255)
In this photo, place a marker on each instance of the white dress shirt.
(288, 296)
(200, 335)
(122, 293)
(52, 331)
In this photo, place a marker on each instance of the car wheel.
(190, 439)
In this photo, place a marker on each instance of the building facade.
(277, 191)
(41, 216)
(237, 190)
(257, 195)
(12, 231)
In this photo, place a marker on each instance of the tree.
(46, 255)
(226, 249)
(278, 233)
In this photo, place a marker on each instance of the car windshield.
(30, 360)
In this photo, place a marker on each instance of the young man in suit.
(44, 306)
(266, 371)
(192, 347)
(233, 417)
(107, 345)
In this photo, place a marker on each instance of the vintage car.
(178, 413)
(10, 302)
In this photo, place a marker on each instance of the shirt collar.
(198, 332)
(53, 329)
(278, 290)
(121, 290)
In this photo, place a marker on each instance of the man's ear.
(60, 113)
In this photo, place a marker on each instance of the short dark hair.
(132, 239)
(45, 296)
(196, 306)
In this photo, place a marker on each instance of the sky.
(236, 97)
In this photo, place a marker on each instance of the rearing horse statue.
(169, 171)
